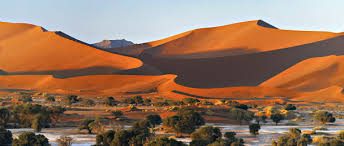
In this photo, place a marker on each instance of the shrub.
(254, 128)
(324, 117)
(164, 141)
(5, 137)
(30, 139)
(88, 102)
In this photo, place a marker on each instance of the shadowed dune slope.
(242, 70)
(229, 40)
(26, 48)
(311, 74)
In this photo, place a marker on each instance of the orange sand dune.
(95, 84)
(26, 48)
(311, 74)
(331, 94)
(229, 40)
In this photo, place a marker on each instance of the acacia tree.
(4, 117)
(277, 117)
(185, 121)
(241, 114)
(254, 128)
(205, 135)
(324, 117)
(5, 137)
(154, 120)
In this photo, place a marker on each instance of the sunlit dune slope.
(26, 48)
(229, 40)
(95, 84)
(311, 74)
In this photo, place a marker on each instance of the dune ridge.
(28, 48)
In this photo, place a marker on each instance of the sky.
(148, 20)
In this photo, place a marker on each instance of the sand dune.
(95, 84)
(229, 40)
(26, 48)
(311, 75)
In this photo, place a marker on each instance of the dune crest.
(26, 48)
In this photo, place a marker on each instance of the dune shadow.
(242, 70)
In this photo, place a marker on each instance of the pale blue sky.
(148, 20)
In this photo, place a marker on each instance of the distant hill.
(113, 43)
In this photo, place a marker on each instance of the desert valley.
(234, 78)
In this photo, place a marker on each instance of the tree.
(5, 137)
(277, 117)
(205, 134)
(49, 99)
(241, 114)
(164, 141)
(65, 141)
(254, 128)
(154, 120)
(96, 126)
(55, 113)
(85, 124)
(185, 121)
(190, 101)
(147, 101)
(138, 99)
(38, 123)
(88, 102)
(70, 99)
(289, 107)
(105, 139)
(117, 113)
(324, 117)
(293, 137)
(110, 101)
(4, 117)
(260, 117)
(242, 106)
(232, 140)
(30, 139)
(122, 138)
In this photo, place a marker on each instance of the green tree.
(4, 117)
(260, 118)
(5, 137)
(117, 113)
(70, 99)
(38, 123)
(96, 126)
(110, 101)
(241, 114)
(85, 124)
(154, 120)
(324, 117)
(49, 99)
(105, 139)
(122, 138)
(30, 139)
(65, 141)
(164, 141)
(242, 106)
(230, 139)
(289, 107)
(277, 117)
(254, 128)
(55, 113)
(185, 121)
(88, 102)
(205, 135)
(190, 101)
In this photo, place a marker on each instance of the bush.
(190, 101)
(65, 141)
(88, 102)
(185, 121)
(70, 99)
(110, 101)
(49, 99)
(117, 113)
(324, 117)
(30, 139)
(4, 117)
(290, 107)
(5, 137)
(277, 117)
(206, 135)
(254, 128)
(154, 120)
(164, 141)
